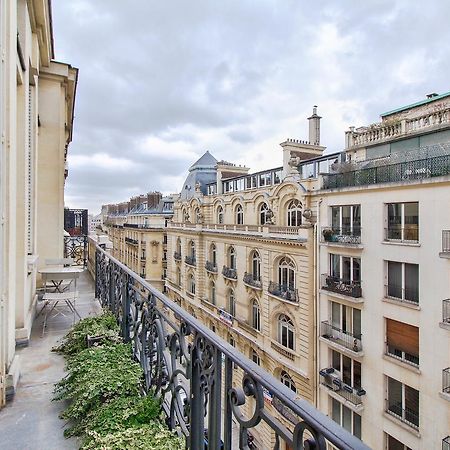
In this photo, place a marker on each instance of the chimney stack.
(314, 127)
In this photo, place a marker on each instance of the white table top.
(58, 270)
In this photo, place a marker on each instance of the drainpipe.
(316, 284)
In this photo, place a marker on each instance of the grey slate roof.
(203, 171)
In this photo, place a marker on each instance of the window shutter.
(402, 336)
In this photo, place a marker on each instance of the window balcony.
(446, 443)
(446, 312)
(406, 415)
(403, 356)
(190, 260)
(341, 235)
(131, 241)
(402, 294)
(332, 380)
(341, 286)
(229, 273)
(445, 253)
(404, 235)
(250, 280)
(336, 335)
(177, 256)
(283, 291)
(446, 381)
(184, 370)
(210, 267)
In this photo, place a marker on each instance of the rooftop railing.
(190, 369)
(414, 170)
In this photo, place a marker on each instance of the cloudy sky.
(160, 82)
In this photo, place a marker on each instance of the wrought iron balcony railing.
(446, 311)
(408, 234)
(177, 256)
(402, 294)
(445, 241)
(341, 235)
(252, 281)
(211, 267)
(446, 443)
(191, 369)
(446, 381)
(283, 291)
(76, 247)
(348, 340)
(406, 357)
(389, 173)
(332, 380)
(406, 415)
(190, 260)
(229, 273)
(341, 286)
(131, 241)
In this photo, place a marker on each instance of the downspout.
(316, 284)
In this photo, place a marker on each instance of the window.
(346, 319)
(213, 254)
(403, 221)
(256, 315)
(192, 284)
(178, 276)
(349, 369)
(346, 418)
(403, 281)
(346, 220)
(403, 402)
(179, 246)
(255, 357)
(265, 179)
(256, 266)
(212, 292)
(239, 215)
(286, 274)
(231, 303)
(232, 258)
(402, 341)
(393, 444)
(294, 213)
(345, 268)
(198, 215)
(287, 381)
(219, 214)
(263, 210)
(286, 332)
(192, 249)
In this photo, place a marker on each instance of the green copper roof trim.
(423, 102)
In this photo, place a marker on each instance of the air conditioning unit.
(332, 378)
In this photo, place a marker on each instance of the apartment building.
(383, 216)
(137, 230)
(37, 97)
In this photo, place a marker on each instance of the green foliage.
(147, 437)
(97, 375)
(104, 326)
(103, 387)
(118, 414)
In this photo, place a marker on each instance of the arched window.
(256, 315)
(179, 246)
(198, 215)
(287, 381)
(256, 266)
(212, 292)
(239, 215)
(232, 258)
(294, 213)
(263, 209)
(255, 357)
(192, 249)
(213, 254)
(286, 274)
(178, 276)
(219, 214)
(286, 332)
(231, 303)
(192, 284)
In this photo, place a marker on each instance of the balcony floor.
(30, 421)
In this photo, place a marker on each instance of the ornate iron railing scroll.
(203, 381)
(76, 247)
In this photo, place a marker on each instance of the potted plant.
(327, 234)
